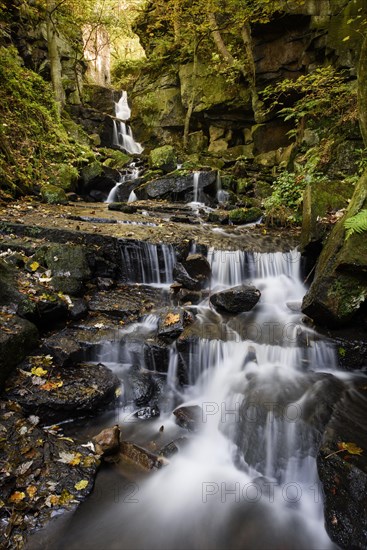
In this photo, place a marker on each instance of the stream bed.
(262, 385)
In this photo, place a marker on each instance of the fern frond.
(356, 224)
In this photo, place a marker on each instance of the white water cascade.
(131, 174)
(122, 132)
(148, 263)
(247, 478)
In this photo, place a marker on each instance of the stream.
(247, 476)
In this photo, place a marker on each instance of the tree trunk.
(362, 90)
(251, 70)
(190, 107)
(54, 56)
(219, 42)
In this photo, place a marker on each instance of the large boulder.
(340, 284)
(236, 300)
(163, 158)
(177, 187)
(198, 267)
(53, 194)
(181, 276)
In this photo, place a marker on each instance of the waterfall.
(132, 197)
(248, 477)
(196, 179)
(222, 196)
(131, 173)
(122, 133)
(148, 263)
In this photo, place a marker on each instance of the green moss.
(243, 185)
(241, 216)
(53, 195)
(32, 137)
(65, 176)
(163, 158)
(113, 158)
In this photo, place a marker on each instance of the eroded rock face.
(177, 187)
(17, 338)
(236, 299)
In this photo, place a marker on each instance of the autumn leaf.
(171, 319)
(70, 458)
(39, 371)
(52, 500)
(351, 448)
(49, 386)
(17, 496)
(82, 484)
(34, 266)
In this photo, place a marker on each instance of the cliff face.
(291, 44)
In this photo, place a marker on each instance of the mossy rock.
(91, 171)
(240, 216)
(163, 158)
(150, 175)
(228, 182)
(65, 176)
(53, 195)
(76, 132)
(114, 159)
(122, 207)
(262, 189)
(243, 185)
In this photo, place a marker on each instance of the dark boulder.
(343, 473)
(63, 393)
(235, 300)
(146, 413)
(156, 356)
(177, 187)
(172, 322)
(143, 387)
(69, 267)
(181, 276)
(122, 207)
(198, 267)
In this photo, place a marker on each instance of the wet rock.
(69, 267)
(219, 216)
(189, 296)
(241, 216)
(172, 448)
(156, 356)
(123, 207)
(294, 306)
(172, 322)
(180, 275)
(146, 413)
(144, 387)
(163, 158)
(250, 357)
(17, 338)
(236, 299)
(139, 456)
(185, 219)
(189, 417)
(65, 393)
(198, 267)
(344, 474)
(79, 309)
(43, 474)
(107, 441)
(105, 283)
(177, 187)
(46, 312)
(53, 194)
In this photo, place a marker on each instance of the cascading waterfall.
(196, 179)
(148, 263)
(131, 174)
(122, 133)
(248, 478)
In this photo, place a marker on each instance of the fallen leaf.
(39, 371)
(52, 500)
(70, 458)
(34, 266)
(17, 496)
(351, 448)
(171, 319)
(49, 386)
(82, 484)
(23, 468)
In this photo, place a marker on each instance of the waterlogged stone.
(107, 441)
(139, 456)
(189, 417)
(236, 300)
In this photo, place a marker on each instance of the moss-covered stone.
(243, 185)
(53, 195)
(65, 176)
(69, 267)
(163, 158)
(241, 216)
(114, 158)
(91, 171)
(340, 284)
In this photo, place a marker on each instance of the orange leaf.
(17, 496)
(351, 448)
(171, 319)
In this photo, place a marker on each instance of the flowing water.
(130, 174)
(247, 479)
(122, 132)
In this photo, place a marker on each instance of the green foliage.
(324, 93)
(283, 206)
(32, 139)
(356, 224)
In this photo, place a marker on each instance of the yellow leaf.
(346, 38)
(75, 460)
(34, 266)
(171, 319)
(82, 484)
(351, 448)
(39, 371)
(65, 498)
(118, 392)
(31, 491)
(17, 496)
